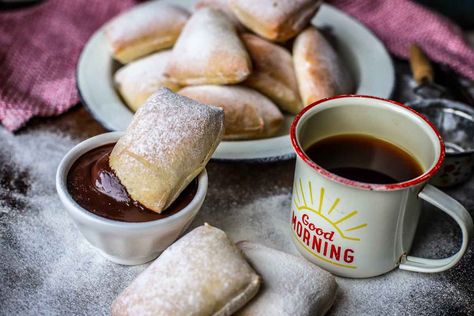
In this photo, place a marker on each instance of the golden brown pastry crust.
(144, 29)
(201, 274)
(319, 71)
(208, 51)
(168, 143)
(138, 80)
(248, 114)
(273, 74)
(276, 20)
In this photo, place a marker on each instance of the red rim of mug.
(361, 185)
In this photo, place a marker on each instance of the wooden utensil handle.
(420, 65)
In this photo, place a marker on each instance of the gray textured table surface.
(47, 268)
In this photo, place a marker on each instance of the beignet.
(141, 78)
(248, 114)
(273, 73)
(168, 143)
(147, 28)
(208, 51)
(203, 273)
(319, 71)
(291, 285)
(276, 20)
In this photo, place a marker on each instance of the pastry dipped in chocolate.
(94, 186)
(168, 143)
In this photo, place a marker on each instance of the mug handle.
(454, 209)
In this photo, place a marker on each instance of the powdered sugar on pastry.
(208, 52)
(203, 273)
(319, 71)
(141, 78)
(248, 114)
(144, 29)
(168, 143)
(291, 285)
(277, 20)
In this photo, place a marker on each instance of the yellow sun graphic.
(301, 202)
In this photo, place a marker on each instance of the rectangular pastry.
(319, 70)
(141, 78)
(147, 28)
(291, 285)
(203, 273)
(168, 143)
(275, 76)
(248, 114)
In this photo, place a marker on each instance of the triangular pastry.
(201, 274)
(273, 76)
(276, 20)
(141, 78)
(208, 51)
(319, 70)
(147, 28)
(248, 114)
(168, 143)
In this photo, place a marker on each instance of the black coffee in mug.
(364, 158)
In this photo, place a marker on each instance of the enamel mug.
(356, 229)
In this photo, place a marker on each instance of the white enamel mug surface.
(356, 229)
(122, 242)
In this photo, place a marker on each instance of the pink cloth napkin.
(401, 23)
(40, 45)
(39, 49)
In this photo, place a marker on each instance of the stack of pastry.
(229, 53)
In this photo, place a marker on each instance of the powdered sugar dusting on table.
(49, 269)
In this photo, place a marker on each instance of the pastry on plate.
(319, 70)
(141, 78)
(248, 114)
(291, 285)
(208, 51)
(147, 28)
(203, 273)
(167, 144)
(273, 73)
(222, 5)
(276, 20)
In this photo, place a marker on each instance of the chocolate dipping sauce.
(94, 186)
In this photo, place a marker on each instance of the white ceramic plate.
(369, 63)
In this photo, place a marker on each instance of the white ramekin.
(122, 242)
